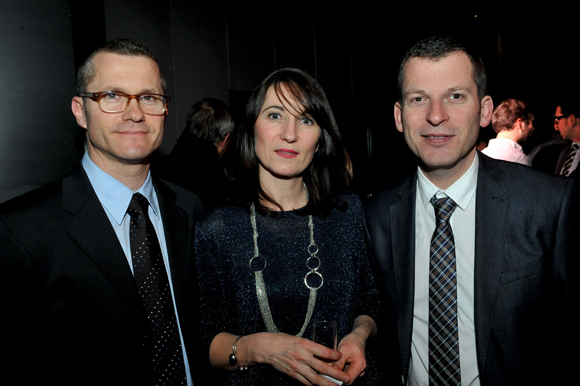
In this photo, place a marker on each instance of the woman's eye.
(274, 116)
(306, 121)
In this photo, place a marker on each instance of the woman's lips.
(286, 153)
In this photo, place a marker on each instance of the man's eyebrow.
(124, 91)
(422, 91)
(458, 88)
(414, 91)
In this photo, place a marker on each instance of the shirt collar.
(114, 195)
(461, 191)
(506, 141)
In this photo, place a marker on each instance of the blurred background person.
(294, 224)
(195, 163)
(514, 124)
(567, 122)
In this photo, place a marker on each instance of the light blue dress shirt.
(115, 198)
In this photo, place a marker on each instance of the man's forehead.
(454, 71)
(111, 68)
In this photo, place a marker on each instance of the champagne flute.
(325, 333)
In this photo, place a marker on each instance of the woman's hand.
(352, 347)
(353, 360)
(298, 358)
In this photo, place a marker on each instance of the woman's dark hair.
(327, 176)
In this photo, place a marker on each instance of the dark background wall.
(224, 48)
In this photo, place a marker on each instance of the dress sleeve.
(214, 314)
(368, 297)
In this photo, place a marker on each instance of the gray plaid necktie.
(570, 160)
(153, 284)
(444, 366)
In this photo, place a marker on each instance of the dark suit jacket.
(72, 314)
(523, 273)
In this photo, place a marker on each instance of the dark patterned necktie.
(570, 160)
(443, 336)
(151, 277)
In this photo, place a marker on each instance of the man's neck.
(575, 134)
(131, 175)
(443, 178)
(512, 135)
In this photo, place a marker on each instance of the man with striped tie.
(567, 121)
(474, 257)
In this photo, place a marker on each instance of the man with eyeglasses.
(96, 270)
(567, 122)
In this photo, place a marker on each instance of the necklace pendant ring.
(253, 264)
(313, 263)
(310, 286)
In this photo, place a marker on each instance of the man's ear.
(486, 110)
(519, 125)
(78, 109)
(398, 112)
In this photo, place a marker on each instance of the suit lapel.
(492, 203)
(177, 239)
(91, 229)
(402, 217)
(562, 158)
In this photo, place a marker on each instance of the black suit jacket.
(524, 272)
(74, 315)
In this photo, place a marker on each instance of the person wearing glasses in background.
(567, 122)
(95, 269)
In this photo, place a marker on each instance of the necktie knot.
(444, 208)
(138, 204)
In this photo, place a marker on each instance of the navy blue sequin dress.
(224, 246)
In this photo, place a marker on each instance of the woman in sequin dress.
(289, 252)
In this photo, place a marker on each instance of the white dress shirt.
(462, 221)
(507, 150)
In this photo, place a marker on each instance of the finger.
(333, 372)
(355, 369)
(310, 377)
(325, 352)
(340, 364)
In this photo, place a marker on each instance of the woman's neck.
(290, 194)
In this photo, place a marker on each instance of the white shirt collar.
(506, 141)
(461, 191)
